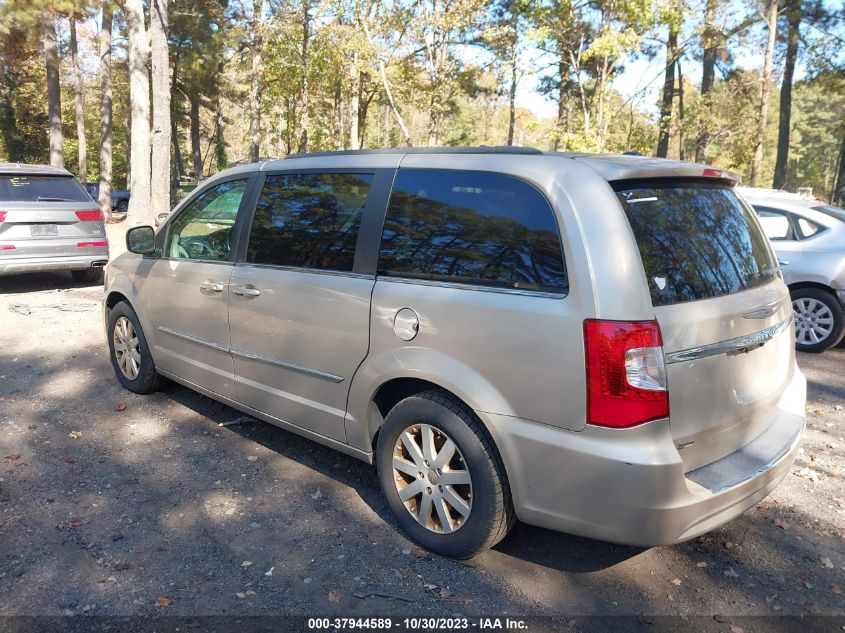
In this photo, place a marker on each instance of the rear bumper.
(9, 266)
(629, 486)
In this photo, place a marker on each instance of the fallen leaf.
(269, 572)
(445, 593)
(316, 494)
(813, 607)
(334, 596)
(164, 602)
(737, 629)
(307, 580)
(836, 589)
(12, 457)
(75, 435)
(241, 594)
(120, 406)
(728, 544)
(246, 563)
(783, 525)
(429, 586)
(826, 562)
(677, 582)
(730, 573)
(252, 458)
(701, 565)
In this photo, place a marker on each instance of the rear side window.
(309, 220)
(696, 240)
(41, 189)
(776, 224)
(471, 227)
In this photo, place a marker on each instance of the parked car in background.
(49, 222)
(119, 197)
(809, 239)
(600, 345)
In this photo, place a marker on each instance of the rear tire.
(488, 513)
(93, 275)
(146, 379)
(819, 315)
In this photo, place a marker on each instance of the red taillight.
(6, 247)
(87, 244)
(2, 216)
(714, 173)
(626, 373)
(90, 216)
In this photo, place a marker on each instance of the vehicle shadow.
(27, 283)
(554, 550)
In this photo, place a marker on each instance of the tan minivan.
(600, 345)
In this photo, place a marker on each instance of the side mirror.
(141, 240)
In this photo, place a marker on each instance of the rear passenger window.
(308, 220)
(807, 228)
(775, 224)
(471, 227)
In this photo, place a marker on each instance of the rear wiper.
(49, 199)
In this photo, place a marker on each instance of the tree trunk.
(54, 94)
(512, 91)
(665, 126)
(140, 202)
(386, 85)
(708, 76)
(196, 152)
(765, 88)
(306, 35)
(178, 165)
(354, 105)
(839, 189)
(255, 86)
(77, 98)
(682, 150)
(105, 113)
(221, 161)
(794, 16)
(160, 176)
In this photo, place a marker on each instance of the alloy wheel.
(432, 479)
(127, 351)
(813, 321)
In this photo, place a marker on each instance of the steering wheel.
(219, 242)
(190, 244)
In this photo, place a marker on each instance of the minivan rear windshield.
(697, 240)
(14, 188)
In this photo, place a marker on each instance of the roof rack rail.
(482, 149)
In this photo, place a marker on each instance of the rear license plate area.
(43, 230)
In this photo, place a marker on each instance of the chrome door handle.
(212, 286)
(246, 291)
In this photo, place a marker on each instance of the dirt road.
(116, 504)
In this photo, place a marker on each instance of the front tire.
(130, 355)
(819, 319)
(443, 477)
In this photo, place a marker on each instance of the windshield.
(41, 189)
(834, 212)
(697, 240)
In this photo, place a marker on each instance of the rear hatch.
(48, 216)
(723, 310)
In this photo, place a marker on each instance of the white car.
(808, 237)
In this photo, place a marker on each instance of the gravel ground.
(117, 504)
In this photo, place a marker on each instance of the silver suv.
(49, 222)
(808, 237)
(600, 345)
